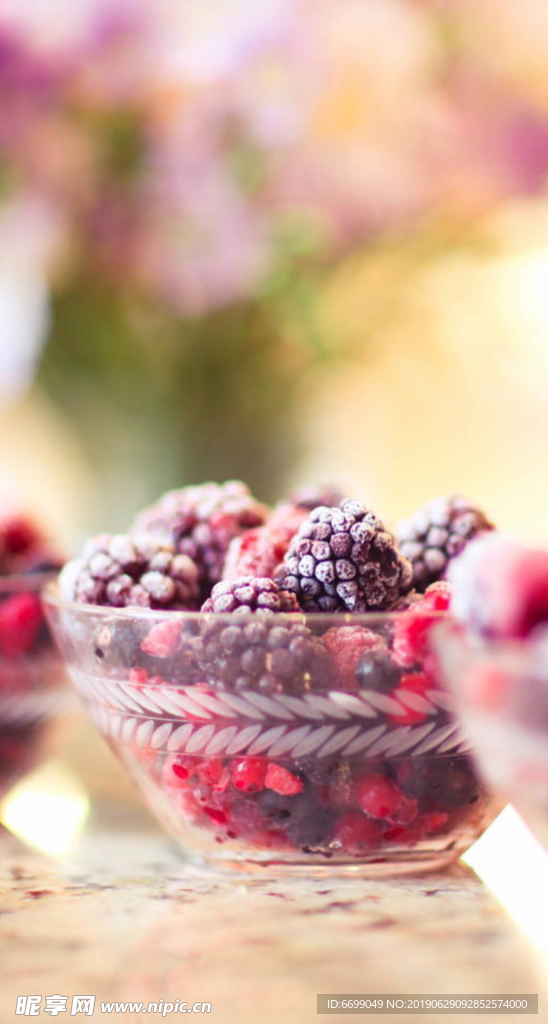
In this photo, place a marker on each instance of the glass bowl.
(314, 763)
(500, 692)
(33, 691)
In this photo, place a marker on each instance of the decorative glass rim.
(53, 599)
(24, 582)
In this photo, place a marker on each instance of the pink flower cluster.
(188, 149)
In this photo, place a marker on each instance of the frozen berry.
(436, 534)
(24, 548)
(412, 628)
(201, 522)
(347, 646)
(248, 774)
(344, 560)
(354, 831)
(500, 588)
(282, 781)
(21, 619)
(122, 571)
(380, 797)
(259, 552)
(378, 671)
(263, 651)
(249, 593)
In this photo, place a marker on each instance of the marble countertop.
(128, 919)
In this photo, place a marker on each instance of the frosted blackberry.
(263, 651)
(121, 571)
(249, 593)
(201, 522)
(437, 533)
(344, 560)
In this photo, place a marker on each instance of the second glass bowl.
(500, 692)
(256, 746)
(33, 691)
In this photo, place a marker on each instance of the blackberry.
(249, 593)
(271, 653)
(201, 522)
(436, 534)
(344, 560)
(121, 571)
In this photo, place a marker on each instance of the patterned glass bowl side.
(322, 770)
(500, 693)
(33, 691)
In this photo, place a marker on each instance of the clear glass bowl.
(500, 692)
(33, 690)
(322, 768)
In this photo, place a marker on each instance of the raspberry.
(347, 645)
(264, 651)
(259, 552)
(163, 639)
(436, 534)
(248, 593)
(380, 797)
(202, 521)
(122, 571)
(23, 548)
(354, 831)
(21, 620)
(213, 772)
(249, 774)
(282, 781)
(500, 588)
(412, 628)
(344, 560)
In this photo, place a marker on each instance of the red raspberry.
(282, 781)
(178, 770)
(353, 831)
(249, 774)
(259, 552)
(346, 645)
(379, 797)
(213, 772)
(21, 619)
(411, 632)
(163, 639)
(419, 683)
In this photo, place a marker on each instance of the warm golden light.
(47, 809)
(514, 866)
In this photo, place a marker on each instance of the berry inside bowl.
(500, 691)
(33, 693)
(268, 738)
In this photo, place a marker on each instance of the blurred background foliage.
(272, 240)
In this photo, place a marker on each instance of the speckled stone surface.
(127, 919)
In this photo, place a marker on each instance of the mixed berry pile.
(280, 595)
(26, 653)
